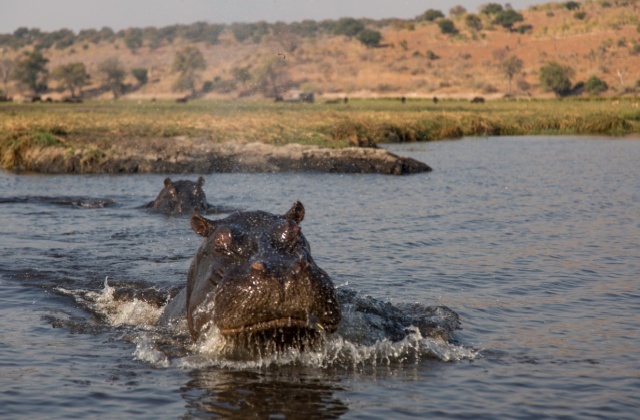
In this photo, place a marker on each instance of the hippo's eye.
(222, 240)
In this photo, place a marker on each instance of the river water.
(534, 241)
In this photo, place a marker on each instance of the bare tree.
(6, 70)
(511, 66)
(114, 75)
(287, 39)
(272, 77)
(31, 72)
(187, 63)
(73, 76)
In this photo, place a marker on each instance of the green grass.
(96, 125)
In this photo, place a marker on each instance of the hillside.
(414, 58)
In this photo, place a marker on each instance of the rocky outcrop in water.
(184, 155)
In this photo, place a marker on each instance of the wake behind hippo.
(181, 197)
(254, 280)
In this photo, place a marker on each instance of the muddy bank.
(185, 155)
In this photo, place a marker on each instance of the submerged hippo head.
(254, 275)
(181, 197)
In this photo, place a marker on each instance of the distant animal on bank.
(435, 99)
(182, 100)
(181, 197)
(477, 100)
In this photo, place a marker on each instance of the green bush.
(595, 85)
(473, 22)
(508, 18)
(447, 26)
(207, 86)
(572, 5)
(556, 77)
(431, 15)
(580, 15)
(431, 55)
(348, 27)
(369, 38)
(141, 75)
(491, 9)
(523, 29)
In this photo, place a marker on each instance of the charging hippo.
(253, 278)
(181, 197)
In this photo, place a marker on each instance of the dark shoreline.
(184, 156)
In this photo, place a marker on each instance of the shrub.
(447, 26)
(523, 29)
(431, 15)
(508, 18)
(133, 39)
(207, 86)
(457, 11)
(580, 15)
(572, 5)
(595, 85)
(141, 75)
(473, 22)
(431, 55)
(491, 9)
(348, 27)
(556, 77)
(369, 38)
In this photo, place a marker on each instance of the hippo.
(254, 280)
(181, 197)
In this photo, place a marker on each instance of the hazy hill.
(414, 58)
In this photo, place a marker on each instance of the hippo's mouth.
(288, 323)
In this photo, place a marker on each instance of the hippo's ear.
(201, 226)
(200, 182)
(296, 212)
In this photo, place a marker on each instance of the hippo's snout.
(276, 294)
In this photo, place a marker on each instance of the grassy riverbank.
(95, 126)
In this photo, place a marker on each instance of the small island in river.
(186, 155)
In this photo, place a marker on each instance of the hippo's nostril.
(259, 267)
(300, 266)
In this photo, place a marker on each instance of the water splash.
(349, 348)
(135, 312)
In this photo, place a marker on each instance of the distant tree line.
(152, 37)
(364, 30)
(270, 76)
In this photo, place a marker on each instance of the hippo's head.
(181, 197)
(254, 275)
